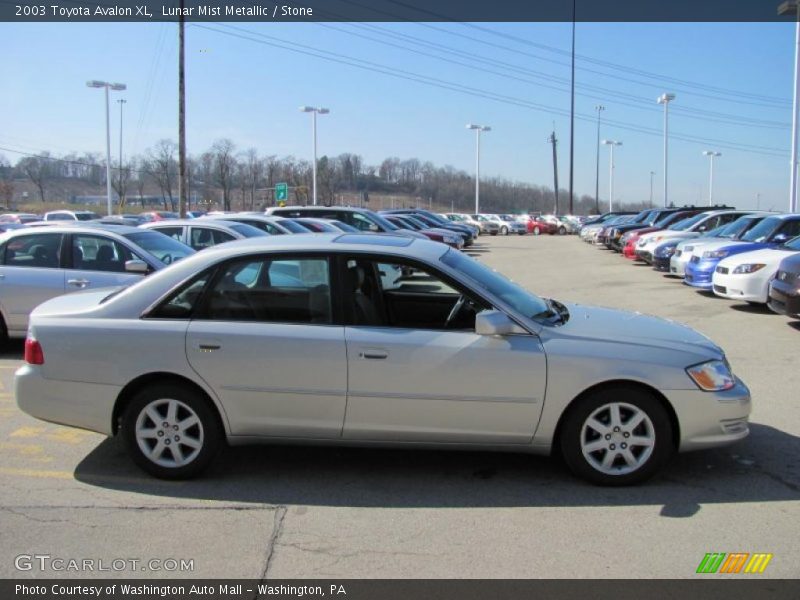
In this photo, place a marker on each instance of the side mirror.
(494, 322)
(780, 238)
(136, 266)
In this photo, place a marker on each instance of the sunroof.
(374, 239)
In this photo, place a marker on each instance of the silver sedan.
(372, 340)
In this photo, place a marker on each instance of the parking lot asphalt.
(291, 512)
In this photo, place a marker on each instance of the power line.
(639, 103)
(452, 86)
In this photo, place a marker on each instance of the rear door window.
(42, 250)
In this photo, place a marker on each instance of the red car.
(538, 225)
(159, 215)
(629, 251)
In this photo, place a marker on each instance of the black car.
(434, 220)
(784, 290)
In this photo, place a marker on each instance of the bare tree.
(37, 169)
(164, 168)
(254, 170)
(224, 168)
(121, 182)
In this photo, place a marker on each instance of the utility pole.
(121, 103)
(182, 179)
(554, 141)
(599, 108)
(572, 114)
(652, 174)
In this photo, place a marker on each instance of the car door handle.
(374, 354)
(81, 283)
(209, 347)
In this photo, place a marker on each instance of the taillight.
(33, 352)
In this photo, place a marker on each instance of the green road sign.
(281, 192)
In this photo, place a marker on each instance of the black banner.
(712, 588)
(395, 10)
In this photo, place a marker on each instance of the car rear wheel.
(562, 230)
(618, 436)
(504, 230)
(171, 431)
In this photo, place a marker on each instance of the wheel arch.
(136, 385)
(628, 384)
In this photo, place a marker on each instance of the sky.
(409, 89)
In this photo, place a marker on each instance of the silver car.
(372, 340)
(204, 232)
(41, 263)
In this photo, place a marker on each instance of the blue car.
(769, 233)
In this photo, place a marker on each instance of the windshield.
(498, 285)
(737, 228)
(792, 244)
(247, 230)
(380, 220)
(687, 223)
(716, 232)
(86, 216)
(166, 249)
(763, 230)
(293, 226)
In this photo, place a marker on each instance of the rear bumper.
(710, 419)
(78, 404)
(784, 299)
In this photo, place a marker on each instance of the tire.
(654, 430)
(504, 230)
(205, 434)
(562, 231)
(536, 231)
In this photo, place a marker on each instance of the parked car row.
(744, 255)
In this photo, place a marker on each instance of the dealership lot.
(317, 512)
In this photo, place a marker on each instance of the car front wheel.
(536, 231)
(619, 436)
(504, 231)
(171, 432)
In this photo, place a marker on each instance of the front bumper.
(645, 255)
(661, 263)
(744, 287)
(784, 299)
(699, 274)
(677, 264)
(710, 419)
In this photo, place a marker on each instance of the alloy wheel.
(169, 433)
(617, 438)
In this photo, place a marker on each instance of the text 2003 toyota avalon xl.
(372, 340)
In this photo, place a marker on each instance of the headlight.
(712, 376)
(748, 268)
(715, 253)
(450, 240)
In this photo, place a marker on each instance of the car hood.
(706, 243)
(768, 256)
(667, 234)
(608, 325)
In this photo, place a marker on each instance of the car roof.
(237, 216)
(338, 242)
(272, 209)
(79, 227)
(184, 222)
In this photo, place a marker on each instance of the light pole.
(652, 174)
(792, 8)
(599, 108)
(314, 111)
(478, 129)
(117, 87)
(122, 102)
(711, 154)
(611, 144)
(665, 99)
